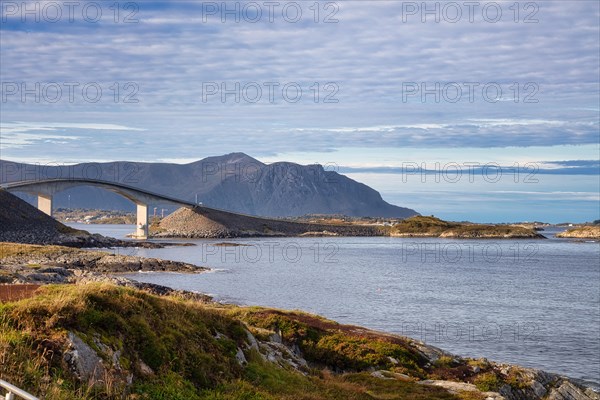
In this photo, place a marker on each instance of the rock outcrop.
(54, 264)
(209, 223)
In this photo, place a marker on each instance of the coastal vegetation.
(153, 347)
(101, 341)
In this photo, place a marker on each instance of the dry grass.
(582, 232)
(19, 250)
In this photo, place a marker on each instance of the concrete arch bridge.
(45, 189)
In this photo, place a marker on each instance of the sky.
(426, 102)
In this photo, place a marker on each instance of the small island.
(581, 232)
(422, 226)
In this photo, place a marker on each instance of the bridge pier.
(44, 189)
(141, 231)
(45, 203)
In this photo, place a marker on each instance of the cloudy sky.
(403, 96)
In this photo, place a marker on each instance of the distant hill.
(234, 182)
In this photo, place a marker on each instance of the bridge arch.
(45, 190)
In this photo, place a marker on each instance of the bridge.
(44, 190)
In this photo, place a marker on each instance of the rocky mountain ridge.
(235, 182)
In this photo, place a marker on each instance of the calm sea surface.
(532, 303)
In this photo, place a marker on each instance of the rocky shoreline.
(62, 265)
(77, 239)
(37, 264)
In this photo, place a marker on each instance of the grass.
(338, 347)
(444, 362)
(190, 348)
(166, 334)
(20, 250)
(488, 382)
(262, 381)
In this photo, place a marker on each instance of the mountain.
(234, 182)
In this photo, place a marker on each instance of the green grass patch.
(488, 382)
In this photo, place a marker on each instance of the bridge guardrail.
(13, 390)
